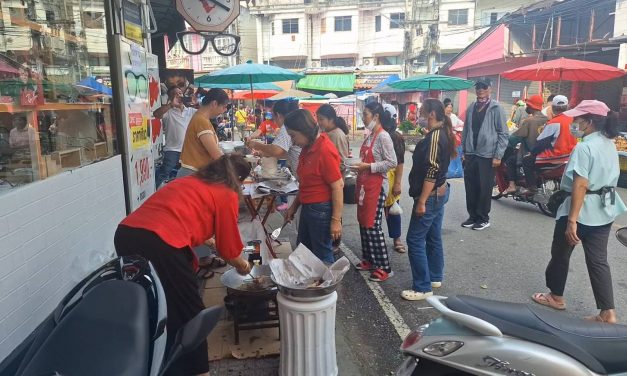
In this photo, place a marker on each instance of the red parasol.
(259, 94)
(564, 70)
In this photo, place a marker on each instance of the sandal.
(415, 295)
(216, 262)
(546, 299)
(365, 266)
(596, 318)
(380, 275)
(205, 273)
(400, 248)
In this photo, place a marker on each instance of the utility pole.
(408, 37)
(433, 37)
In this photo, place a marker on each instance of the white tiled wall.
(52, 234)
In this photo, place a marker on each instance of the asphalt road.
(505, 262)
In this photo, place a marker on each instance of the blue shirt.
(595, 159)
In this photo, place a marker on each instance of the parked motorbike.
(112, 323)
(475, 336)
(222, 132)
(549, 178)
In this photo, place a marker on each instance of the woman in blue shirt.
(587, 214)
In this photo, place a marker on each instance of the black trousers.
(531, 171)
(594, 241)
(512, 168)
(174, 268)
(479, 182)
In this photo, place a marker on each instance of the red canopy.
(257, 94)
(564, 70)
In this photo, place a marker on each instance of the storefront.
(75, 146)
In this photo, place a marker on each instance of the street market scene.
(313, 188)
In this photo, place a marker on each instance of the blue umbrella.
(257, 86)
(91, 84)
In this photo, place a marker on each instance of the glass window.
(323, 25)
(458, 17)
(493, 18)
(290, 64)
(339, 62)
(389, 60)
(603, 21)
(397, 20)
(343, 23)
(290, 26)
(55, 94)
(377, 23)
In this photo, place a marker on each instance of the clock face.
(208, 15)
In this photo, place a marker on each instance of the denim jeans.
(183, 171)
(314, 230)
(424, 243)
(167, 170)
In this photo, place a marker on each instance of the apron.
(369, 185)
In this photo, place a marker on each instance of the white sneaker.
(415, 295)
(436, 285)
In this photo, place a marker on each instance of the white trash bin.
(307, 334)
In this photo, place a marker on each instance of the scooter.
(549, 178)
(112, 323)
(475, 336)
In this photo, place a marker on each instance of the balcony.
(211, 63)
(315, 6)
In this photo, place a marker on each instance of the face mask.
(371, 125)
(574, 130)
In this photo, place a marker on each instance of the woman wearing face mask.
(587, 214)
(378, 157)
(428, 187)
(321, 186)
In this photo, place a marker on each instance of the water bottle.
(362, 194)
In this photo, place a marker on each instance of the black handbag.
(556, 200)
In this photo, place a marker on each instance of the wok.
(244, 284)
(621, 235)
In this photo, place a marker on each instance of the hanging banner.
(154, 97)
(137, 115)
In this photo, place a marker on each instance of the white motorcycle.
(475, 336)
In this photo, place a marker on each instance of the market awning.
(328, 82)
(489, 48)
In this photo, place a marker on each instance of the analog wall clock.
(208, 15)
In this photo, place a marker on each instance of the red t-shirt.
(318, 167)
(188, 211)
(268, 126)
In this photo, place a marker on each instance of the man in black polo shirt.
(484, 141)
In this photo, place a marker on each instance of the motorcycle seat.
(600, 347)
(106, 333)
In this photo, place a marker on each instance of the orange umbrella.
(259, 94)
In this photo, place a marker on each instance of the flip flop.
(364, 266)
(400, 248)
(547, 300)
(205, 274)
(216, 262)
(596, 318)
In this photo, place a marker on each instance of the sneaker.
(415, 295)
(468, 223)
(436, 285)
(380, 275)
(481, 226)
(283, 207)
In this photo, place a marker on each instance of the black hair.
(377, 109)
(302, 121)
(327, 111)
(284, 107)
(550, 98)
(434, 105)
(21, 117)
(229, 169)
(607, 125)
(171, 90)
(447, 101)
(217, 95)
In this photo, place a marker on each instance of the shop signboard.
(132, 21)
(136, 115)
(154, 95)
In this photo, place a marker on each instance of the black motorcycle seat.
(600, 347)
(106, 333)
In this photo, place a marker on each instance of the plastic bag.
(396, 209)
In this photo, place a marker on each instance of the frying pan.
(244, 285)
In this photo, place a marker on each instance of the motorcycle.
(112, 323)
(549, 178)
(475, 336)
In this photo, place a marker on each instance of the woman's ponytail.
(341, 123)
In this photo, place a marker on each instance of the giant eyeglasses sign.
(195, 43)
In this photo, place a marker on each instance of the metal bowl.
(238, 283)
(315, 292)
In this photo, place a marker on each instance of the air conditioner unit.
(367, 62)
(315, 64)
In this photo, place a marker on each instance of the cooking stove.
(258, 310)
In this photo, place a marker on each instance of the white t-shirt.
(175, 124)
(458, 124)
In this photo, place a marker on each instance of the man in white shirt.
(175, 118)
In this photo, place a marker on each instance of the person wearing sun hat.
(527, 134)
(587, 213)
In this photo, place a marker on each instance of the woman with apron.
(377, 158)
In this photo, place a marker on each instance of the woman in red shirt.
(321, 186)
(180, 216)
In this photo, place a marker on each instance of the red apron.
(368, 185)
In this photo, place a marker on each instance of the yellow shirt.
(240, 116)
(194, 155)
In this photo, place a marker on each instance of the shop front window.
(55, 94)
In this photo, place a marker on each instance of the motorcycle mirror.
(192, 334)
(621, 235)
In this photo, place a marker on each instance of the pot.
(244, 284)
